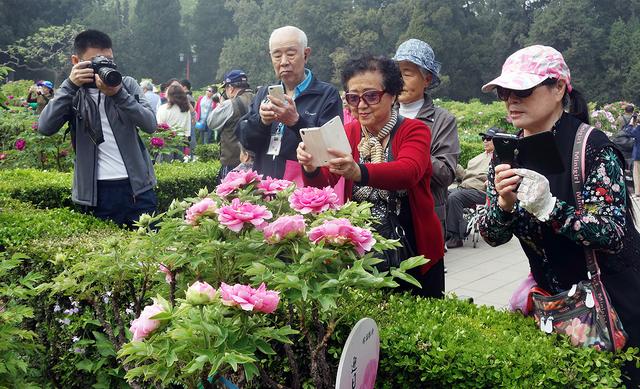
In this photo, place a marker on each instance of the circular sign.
(359, 360)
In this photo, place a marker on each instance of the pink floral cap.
(530, 66)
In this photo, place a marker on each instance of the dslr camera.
(105, 68)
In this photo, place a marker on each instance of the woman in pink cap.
(540, 211)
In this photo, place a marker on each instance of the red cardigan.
(411, 170)
(198, 110)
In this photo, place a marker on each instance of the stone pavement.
(490, 274)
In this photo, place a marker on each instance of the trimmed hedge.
(449, 343)
(48, 189)
(469, 150)
(207, 153)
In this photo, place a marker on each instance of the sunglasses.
(371, 97)
(486, 138)
(210, 90)
(504, 93)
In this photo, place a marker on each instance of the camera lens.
(110, 76)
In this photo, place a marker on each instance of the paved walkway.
(490, 274)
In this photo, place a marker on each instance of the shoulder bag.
(584, 313)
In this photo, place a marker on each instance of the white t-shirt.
(180, 121)
(411, 110)
(110, 163)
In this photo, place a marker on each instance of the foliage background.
(472, 38)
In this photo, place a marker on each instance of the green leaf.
(405, 277)
(85, 365)
(250, 370)
(412, 262)
(104, 346)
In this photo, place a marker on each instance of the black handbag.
(390, 226)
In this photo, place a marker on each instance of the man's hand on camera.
(106, 89)
(81, 73)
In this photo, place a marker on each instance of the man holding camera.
(113, 176)
(271, 128)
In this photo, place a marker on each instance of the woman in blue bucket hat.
(421, 72)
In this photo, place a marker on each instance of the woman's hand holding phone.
(506, 183)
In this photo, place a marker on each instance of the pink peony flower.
(10, 97)
(341, 231)
(168, 274)
(186, 150)
(143, 326)
(250, 299)
(316, 200)
(3, 156)
(20, 144)
(34, 126)
(236, 215)
(271, 186)
(200, 293)
(157, 142)
(283, 228)
(236, 180)
(205, 207)
(163, 126)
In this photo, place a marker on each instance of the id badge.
(274, 145)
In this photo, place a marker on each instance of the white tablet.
(318, 139)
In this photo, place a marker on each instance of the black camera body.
(105, 68)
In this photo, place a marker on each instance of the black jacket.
(316, 105)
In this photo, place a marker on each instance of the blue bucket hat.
(421, 54)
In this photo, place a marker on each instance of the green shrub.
(12, 124)
(450, 343)
(474, 117)
(48, 189)
(208, 153)
(469, 150)
(65, 330)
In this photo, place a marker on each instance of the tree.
(47, 49)
(209, 27)
(157, 40)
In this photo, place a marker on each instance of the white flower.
(75, 339)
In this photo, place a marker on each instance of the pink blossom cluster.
(163, 126)
(143, 326)
(248, 298)
(157, 142)
(237, 214)
(205, 207)
(271, 186)
(340, 232)
(314, 200)
(284, 227)
(237, 180)
(20, 144)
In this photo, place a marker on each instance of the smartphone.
(506, 149)
(276, 91)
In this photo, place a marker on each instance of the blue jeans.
(117, 203)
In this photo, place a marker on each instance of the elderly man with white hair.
(151, 96)
(271, 128)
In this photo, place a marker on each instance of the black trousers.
(457, 201)
(432, 282)
(117, 203)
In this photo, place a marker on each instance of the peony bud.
(200, 293)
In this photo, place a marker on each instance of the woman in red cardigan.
(372, 85)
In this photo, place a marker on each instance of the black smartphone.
(506, 149)
(536, 152)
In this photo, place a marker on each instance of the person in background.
(186, 85)
(163, 89)
(225, 118)
(150, 95)
(204, 106)
(420, 73)
(389, 154)
(113, 175)
(346, 110)
(540, 211)
(40, 94)
(271, 128)
(471, 191)
(176, 113)
(625, 118)
(634, 130)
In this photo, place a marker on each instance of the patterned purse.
(584, 313)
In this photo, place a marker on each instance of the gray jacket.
(125, 115)
(445, 150)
